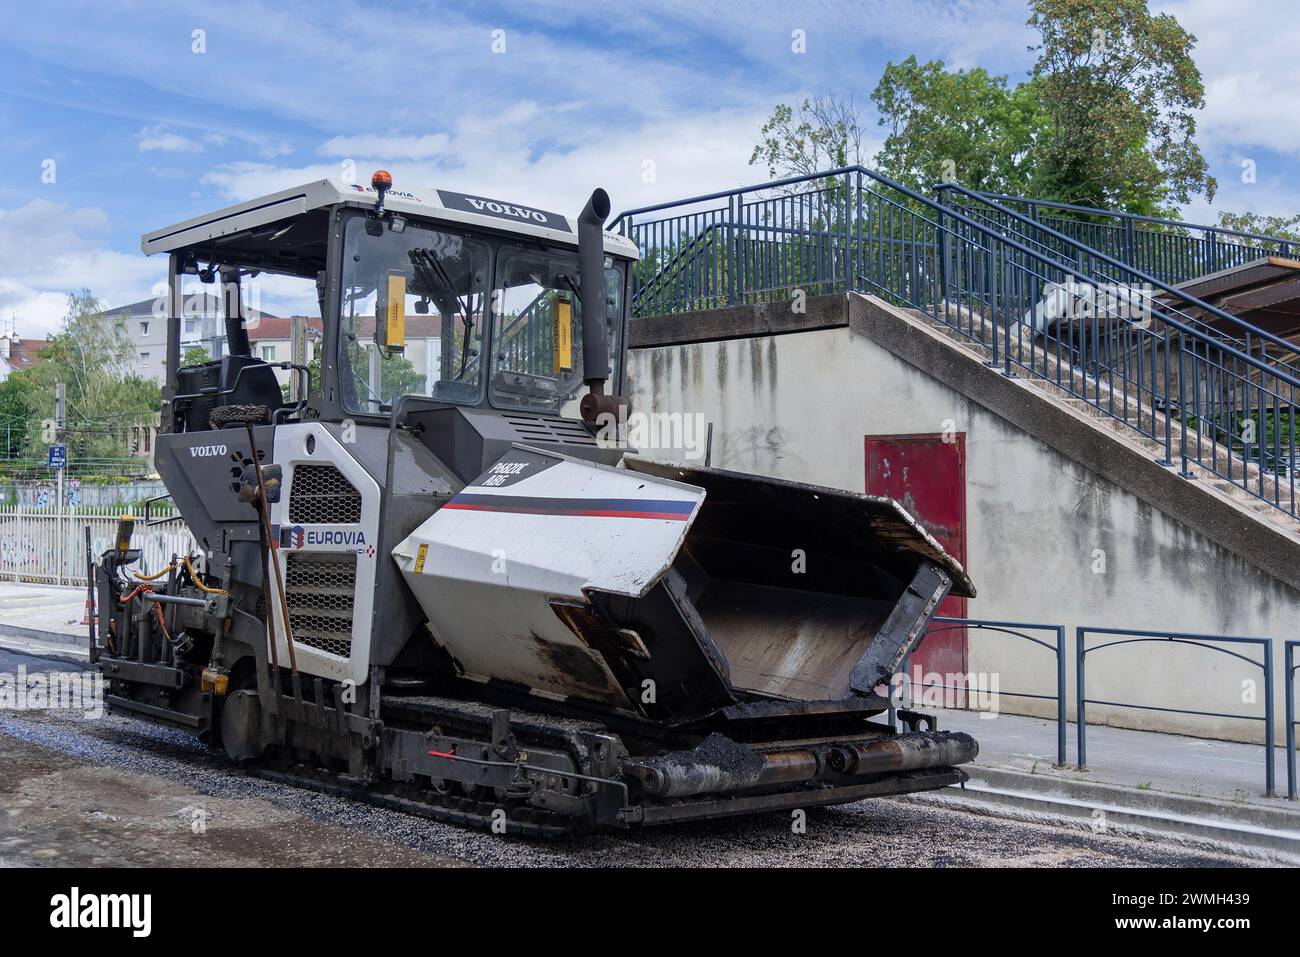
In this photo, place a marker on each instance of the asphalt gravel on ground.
(117, 791)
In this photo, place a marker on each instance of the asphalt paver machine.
(431, 574)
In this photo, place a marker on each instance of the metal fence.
(1119, 270)
(1120, 636)
(1014, 629)
(1114, 637)
(1225, 401)
(1289, 666)
(1169, 249)
(44, 545)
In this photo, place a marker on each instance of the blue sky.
(143, 131)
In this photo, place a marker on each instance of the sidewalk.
(43, 614)
(1143, 760)
(1188, 789)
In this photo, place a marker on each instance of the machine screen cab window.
(537, 319)
(439, 280)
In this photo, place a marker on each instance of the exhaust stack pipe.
(595, 331)
(232, 305)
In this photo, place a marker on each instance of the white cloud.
(156, 138)
(162, 139)
(1246, 51)
(394, 146)
(48, 251)
(496, 156)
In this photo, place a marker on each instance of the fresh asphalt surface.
(116, 791)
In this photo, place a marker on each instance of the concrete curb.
(1254, 825)
(37, 634)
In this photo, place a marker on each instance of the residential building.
(271, 338)
(201, 325)
(17, 353)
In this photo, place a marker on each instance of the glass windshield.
(441, 276)
(537, 321)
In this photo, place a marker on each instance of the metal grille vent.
(320, 495)
(538, 428)
(320, 590)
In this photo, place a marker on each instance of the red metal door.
(927, 473)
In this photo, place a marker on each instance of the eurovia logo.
(400, 193)
(333, 538)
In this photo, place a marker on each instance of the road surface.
(116, 791)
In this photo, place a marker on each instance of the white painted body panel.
(488, 576)
(290, 452)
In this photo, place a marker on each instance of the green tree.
(1283, 227)
(962, 125)
(1121, 91)
(397, 374)
(18, 399)
(1107, 117)
(824, 132)
(195, 356)
(93, 356)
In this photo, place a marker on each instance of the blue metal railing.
(524, 342)
(1170, 249)
(1289, 666)
(1209, 398)
(1237, 394)
(1126, 637)
(1100, 269)
(1116, 637)
(1016, 629)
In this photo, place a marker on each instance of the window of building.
(268, 353)
(144, 328)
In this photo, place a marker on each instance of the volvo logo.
(501, 209)
(495, 207)
(207, 451)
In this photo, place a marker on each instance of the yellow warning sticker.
(562, 336)
(419, 559)
(393, 309)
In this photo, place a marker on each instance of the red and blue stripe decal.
(668, 509)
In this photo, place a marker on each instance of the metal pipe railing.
(1015, 629)
(1288, 347)
(1285, 245)
(962, 219)
(1289, 666)
(1123, 636)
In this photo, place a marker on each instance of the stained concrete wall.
(797, 405)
